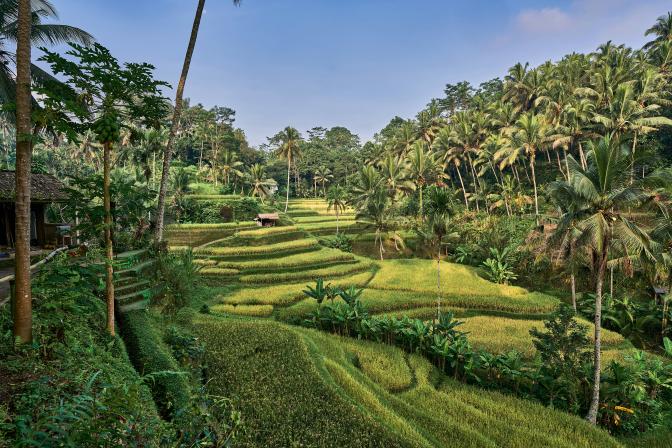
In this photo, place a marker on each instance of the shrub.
(168, 383)
(177, 273)
(341, 242)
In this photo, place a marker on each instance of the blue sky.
(353, 63)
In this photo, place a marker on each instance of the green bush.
(149, 355)
(71, 386)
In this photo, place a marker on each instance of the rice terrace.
(490, 268)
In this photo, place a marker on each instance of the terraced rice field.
(265, 271)
(300, 387)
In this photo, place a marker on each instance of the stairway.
(134, 282)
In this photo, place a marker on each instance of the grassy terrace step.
(335, 271)
(138, 305)
(331, 225)
(302, 220)
(264, 236)
(130, 288)
(302, 212)
(197, 234)
(259, 251)
(296, 261)
(134, 296)
(135, 270)
(287, 294)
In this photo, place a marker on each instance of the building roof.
(273, 216)
(43, 188)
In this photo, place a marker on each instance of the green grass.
(455, 279)
(217, 271)
(262, 250)
(326, 273)
(223, 225)
(268, 371)
(300, 387)
(266, 231)
(296, 261)
(283, 295)
(302, 220)
(244, 310)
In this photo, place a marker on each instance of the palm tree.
(41, 34)
(662, 29)
(531, 134)
(451, 154)
(395, 175)
(23, 314)
(595, 206)
(259, 183)
(367, 183)
(422, 168)
(376, 213)
(337, 201)
(439, 211)
(288, 149)
(177, 112)
(628, 115)
(230, 165)
(322, 176)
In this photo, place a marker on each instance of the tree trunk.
(176, 121)
(597, 364)
(421, 210)
(438, 282)
(289, 165)
(572, 279)
(109, 254)
(336, 220)
(582, 156)
(464, 190)
(23, 312)
(534, 183)
(632, 168)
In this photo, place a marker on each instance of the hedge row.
(149, 355)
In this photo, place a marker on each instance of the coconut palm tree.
(530, 135)
(177, 112)
(41, 34)
(289, 140)
(439, 212)
(322, 176)
(595, 206)
(260, 185)
(422, 168)
(395, 175)
(662, 29)
(451, 154)
(367, 183)
(230, 165)
(376, 213)
(336, 200)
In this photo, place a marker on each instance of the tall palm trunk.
(109, 253)
(534, 183)
(582, 156)
(22, 308)
(464, 190)
(438, 282)
(632, 168)
(421, 209)
(289, 165)
(176, 121)
(597, 363)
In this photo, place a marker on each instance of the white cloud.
(543, 20)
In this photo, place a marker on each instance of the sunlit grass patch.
(296, 261)
(384, 364)
(326, 273)
(244, 310)
(287, 294)
(234, 251)
(217, 271)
